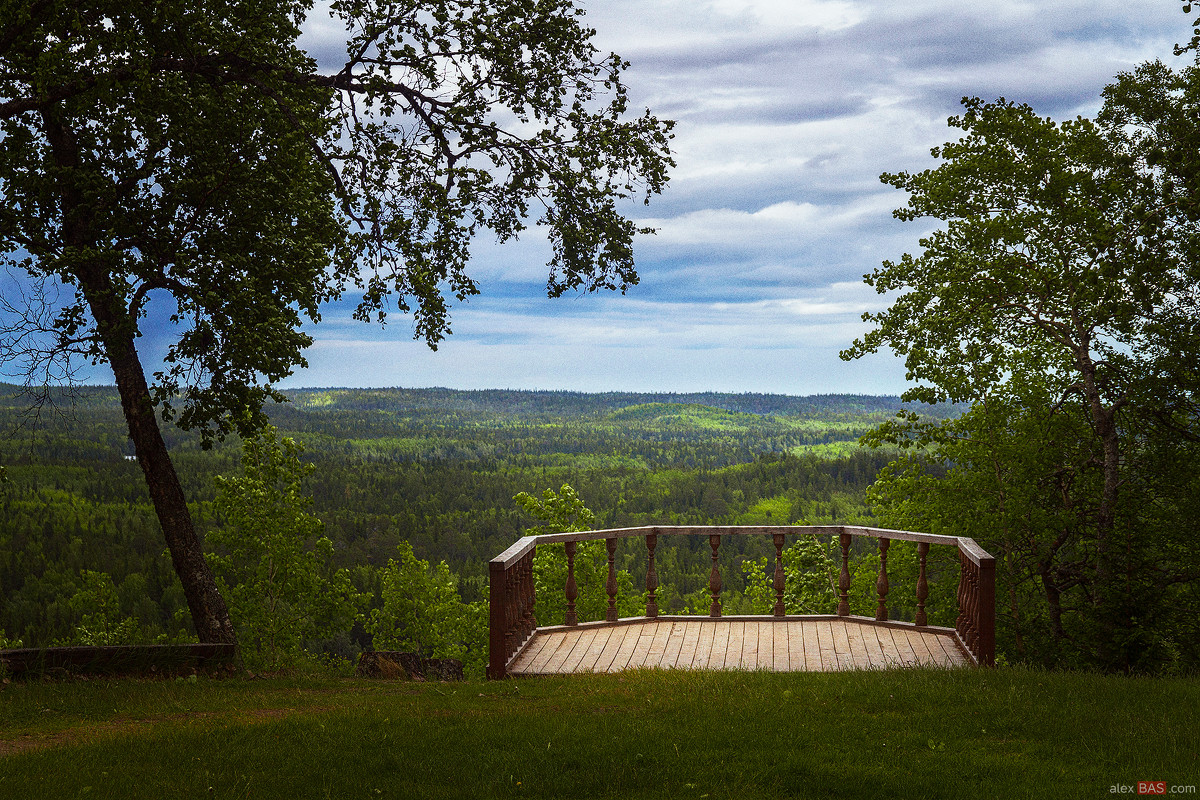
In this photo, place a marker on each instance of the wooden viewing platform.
(791, 644)
(517, 646)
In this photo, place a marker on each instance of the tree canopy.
(194, 154)
(1059, 299)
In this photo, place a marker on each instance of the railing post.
(651, 577)
(843, 609)
(922, 584)
(881, 585)
(777, 538)
(572, 590)
(987, 611)
(497, 652)
(611, 615)
(714, 578)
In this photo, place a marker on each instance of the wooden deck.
(794, 644)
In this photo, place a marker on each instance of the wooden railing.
(512, 596)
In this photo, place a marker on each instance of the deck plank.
(954, 654)
(662, 630)
(907, 654)
(671, 654)
(640, 650)
(531, 651)
(555, 659)
(781, 647)
(749, 659)
(829, 662)
(690, 642)
(613, 646)
(629, 640)
(733, 654)
(858, 651)
(579, 650)
(592, 654)
(812, 647)
(922, 647)
(706, 647)
(796, 654)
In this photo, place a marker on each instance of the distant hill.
(558, 403)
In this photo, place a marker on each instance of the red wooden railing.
(512, 621)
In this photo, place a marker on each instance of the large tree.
(192, 154)
(1059, 299)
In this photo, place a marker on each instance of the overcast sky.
(787, 111)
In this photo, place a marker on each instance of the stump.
(394, 664)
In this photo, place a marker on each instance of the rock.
(397, 665)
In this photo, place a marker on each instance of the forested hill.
(436, 468)
(517, 402)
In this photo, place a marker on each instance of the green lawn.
(902, 734)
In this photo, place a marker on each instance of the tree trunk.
(116, 329)
(209, 612)
(1110, 598)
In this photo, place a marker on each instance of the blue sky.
(787, 111)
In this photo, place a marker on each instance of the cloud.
(787, 112)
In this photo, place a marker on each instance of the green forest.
(436, 469)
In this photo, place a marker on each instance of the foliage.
(423, 613)
(101, 622)
(262, 187)
(1059, 298)
(435, 468)
(272, 561)
(189, 161)
(565, 512)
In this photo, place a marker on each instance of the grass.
(907, 734)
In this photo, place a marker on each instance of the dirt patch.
(124, 726)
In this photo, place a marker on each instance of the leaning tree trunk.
(115, 329)
(209, 612)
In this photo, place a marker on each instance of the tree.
(564, 512)
(422, 612)
(192, 156)
(272, 558)
(1059, 299)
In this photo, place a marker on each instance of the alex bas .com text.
(1151, 787)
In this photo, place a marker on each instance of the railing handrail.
(523, 545)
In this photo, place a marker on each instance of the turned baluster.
(510, 610)
(651, 577)
(960, 622)
(572, 590)
(843, 609)
(611, 615)
(522, 603)
(881, 585)
(714, 578)
(530, 594)
(778, 540)
(922, 583)
(973, 609)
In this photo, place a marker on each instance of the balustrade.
(512, 596)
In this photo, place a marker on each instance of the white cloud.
(788, 111)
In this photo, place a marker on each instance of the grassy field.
(900, 734)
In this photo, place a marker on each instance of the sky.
(786, 113)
